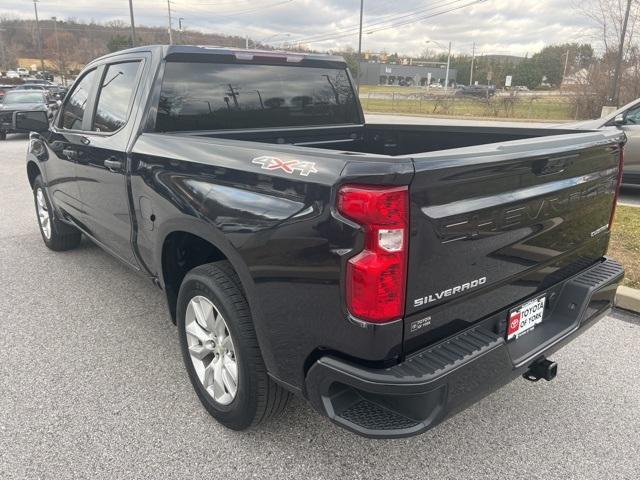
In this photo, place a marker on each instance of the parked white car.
(23, 72)
(12, 74)
(626, 119)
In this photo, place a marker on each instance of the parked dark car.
(476, 91)
(390, 274)
(21, 100)
(44, 75)
(54, 90)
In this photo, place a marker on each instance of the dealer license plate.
(525, 317)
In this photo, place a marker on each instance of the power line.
(385, 25)
(386, 19)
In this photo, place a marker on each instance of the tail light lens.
(618, 183)
(376, 277)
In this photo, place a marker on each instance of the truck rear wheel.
(57, 235)
(220, 349)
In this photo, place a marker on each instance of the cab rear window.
(217, 96)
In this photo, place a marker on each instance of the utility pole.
(170, 33)
(564, 72)
(473, 60)
(246, 42)
(35, 7)
(3, 54)
(180, 30)
(616, 76)
(446, 77)
(133, 25)
(360, 41)
(60, 64)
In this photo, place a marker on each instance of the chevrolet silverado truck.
(390, 274)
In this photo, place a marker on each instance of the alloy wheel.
(43, 213)
(211, 350)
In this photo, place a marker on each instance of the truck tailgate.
(494, 224)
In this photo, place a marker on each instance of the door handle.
(113, 165)
(70, 153)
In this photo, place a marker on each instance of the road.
(92, 386)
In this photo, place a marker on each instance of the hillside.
(80, 42)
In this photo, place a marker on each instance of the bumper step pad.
(372, 416)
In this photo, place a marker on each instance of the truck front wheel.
(56, 234)
(220, 349)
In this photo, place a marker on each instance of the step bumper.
(433, 384)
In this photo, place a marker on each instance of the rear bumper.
(433, 384)
(630, 178)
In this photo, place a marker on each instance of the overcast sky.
(497, 26)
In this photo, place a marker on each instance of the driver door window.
(633, 116)
(75, 107)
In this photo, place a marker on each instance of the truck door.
(67, 143)
(102, 175)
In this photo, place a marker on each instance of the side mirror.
(36, 121)
(619, 119)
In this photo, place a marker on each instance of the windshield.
(216, 96)
(23, 97)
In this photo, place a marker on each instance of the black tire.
(3, 135)
(63, 236)
(258, 397)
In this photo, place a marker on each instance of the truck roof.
(241, 54)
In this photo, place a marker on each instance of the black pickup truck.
(390, 274)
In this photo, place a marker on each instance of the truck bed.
(386, 139)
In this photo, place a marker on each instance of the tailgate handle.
(550, 166)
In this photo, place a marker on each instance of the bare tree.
(607, 19)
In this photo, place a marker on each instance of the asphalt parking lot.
(92, 386)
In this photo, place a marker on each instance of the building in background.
(418, 74)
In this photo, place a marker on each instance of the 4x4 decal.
(287, 166)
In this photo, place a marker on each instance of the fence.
(529, 106)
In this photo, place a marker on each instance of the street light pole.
(60, 64)
(35, 7)
(473, 60)
(360, 40)
(3, 55)
(170, 33)
(616, 76)
(133, 25)
(446, 78)
(180, 30)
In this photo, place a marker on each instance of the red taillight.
(376, 277)
(618, 183)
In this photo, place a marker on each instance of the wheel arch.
(186, 244)
(220, 249)
(33, 170)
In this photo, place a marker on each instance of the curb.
(628, 299)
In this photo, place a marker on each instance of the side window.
(633, 117)
(74, 108)
(114, 97)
